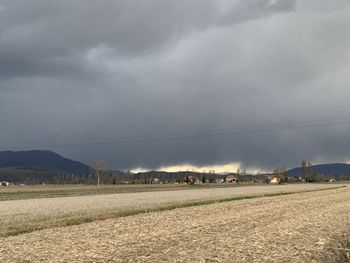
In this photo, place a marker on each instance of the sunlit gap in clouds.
(218, 168)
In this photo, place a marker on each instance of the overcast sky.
(159, 83)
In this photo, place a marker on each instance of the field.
(19, 216)
(49, 191)
(279, 228)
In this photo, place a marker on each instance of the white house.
(4, 183)
(275, 180)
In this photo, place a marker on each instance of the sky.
(183, 84)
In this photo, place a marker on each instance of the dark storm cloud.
(73, 72)
(39, 37)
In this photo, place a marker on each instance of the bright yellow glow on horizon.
(224, 168)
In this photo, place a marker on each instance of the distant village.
(278, 176)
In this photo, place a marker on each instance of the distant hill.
(335, 169)
(42, 160)
(33, 176)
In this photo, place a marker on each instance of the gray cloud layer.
(100, 71)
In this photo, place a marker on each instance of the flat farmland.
(50, 191)
(284, 228)
(20, 216)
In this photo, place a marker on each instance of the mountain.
(334, 169)
(43, 160)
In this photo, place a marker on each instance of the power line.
(184, 136)
(178, 133)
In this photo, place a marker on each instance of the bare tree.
(304, 170)
(99, 168)
(130, 176)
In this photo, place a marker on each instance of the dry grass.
(51, 191)
(21, 216)
(271, 229)
(335, 250)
